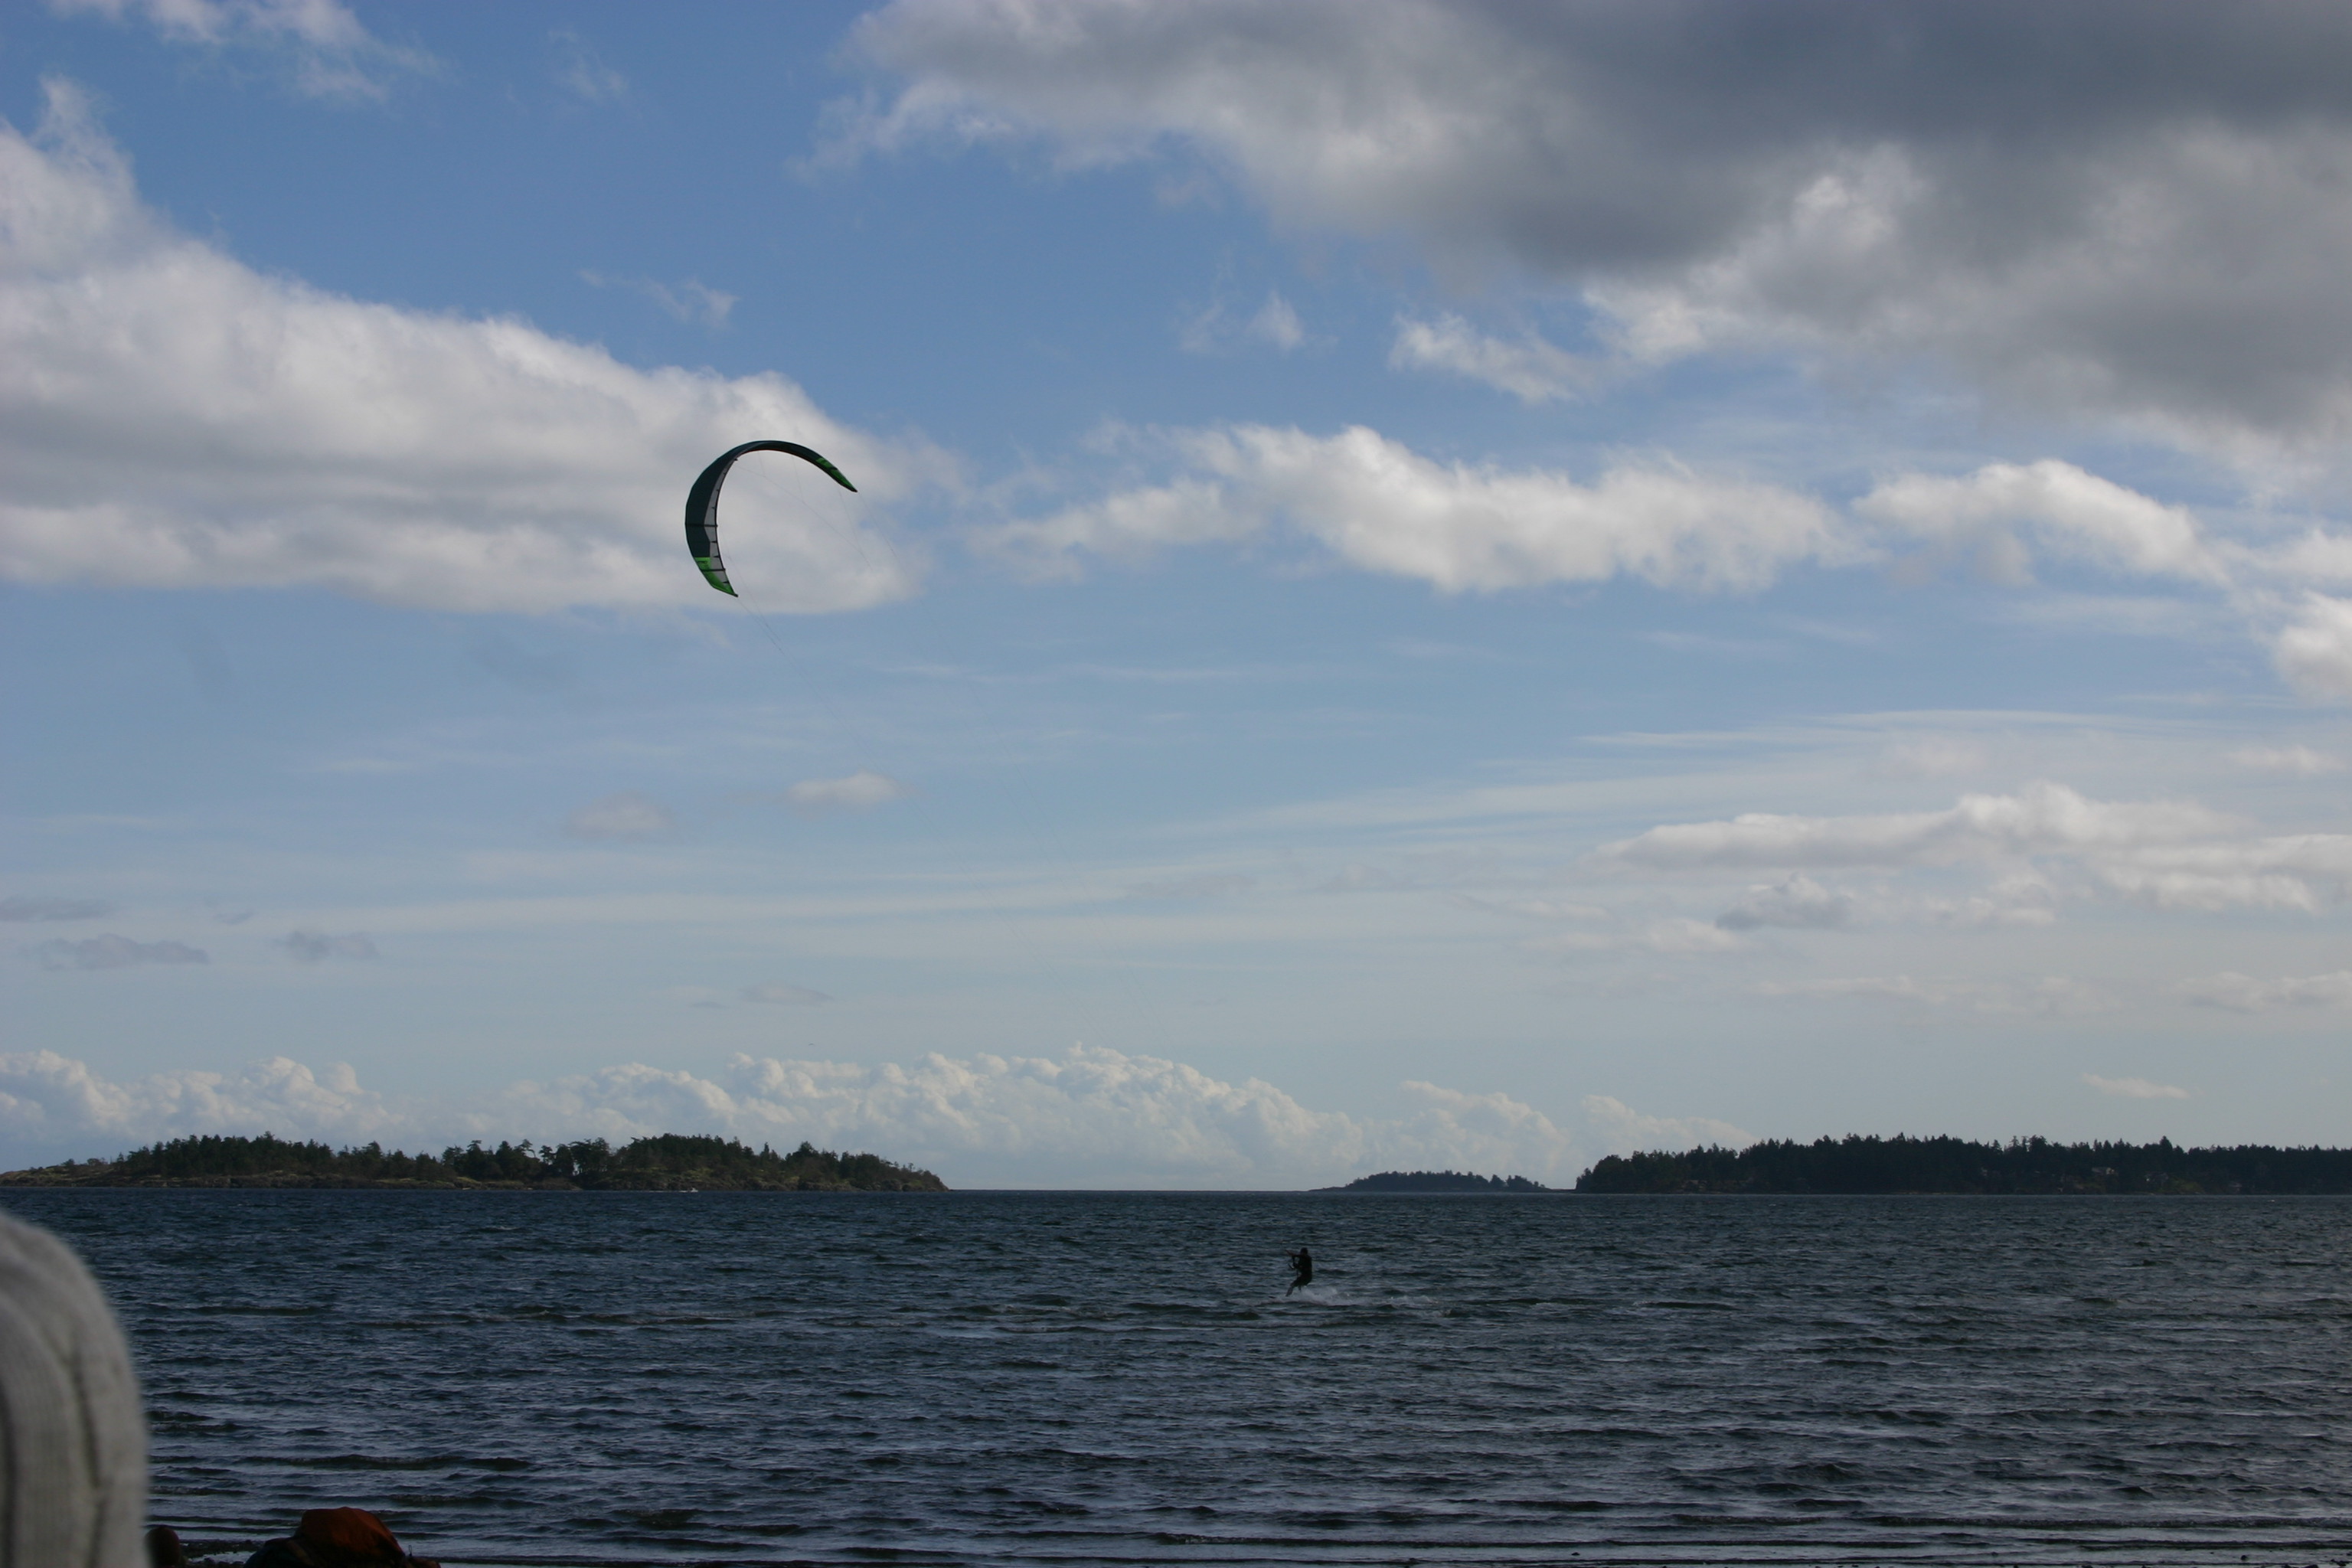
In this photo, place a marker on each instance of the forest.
(669, 1161)
(1907, 1164)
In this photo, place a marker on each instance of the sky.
(1430, 585)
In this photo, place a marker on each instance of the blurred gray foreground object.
(73, 1442)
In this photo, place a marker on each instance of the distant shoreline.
(1858, 1166)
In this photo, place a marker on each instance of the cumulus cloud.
(1526, 367)
(2003, 515)
(2061, 507)
(318, 946)
(54, 1104)
(332, 56)
(2134, 1088)
(861, 790)
(1800, 901)
(630, 813)
(2314, 651)
(171, 418)
(2238, 993)
(1621, 1129)
(112, 951)
(26, 907)
(1090, 1116)
(1383, 508)
(2100, 208)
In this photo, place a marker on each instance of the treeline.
(666, 1162)
(1437, 1181)
(1905, 1164)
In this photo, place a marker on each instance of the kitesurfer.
(1302, 1263)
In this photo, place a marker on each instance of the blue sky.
(1430, 585)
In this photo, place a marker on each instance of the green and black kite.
(702, 505)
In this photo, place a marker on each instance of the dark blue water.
(1085, 1378)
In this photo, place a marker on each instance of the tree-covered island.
(666, 1162)
(1903, 1164)
(1437, 1181)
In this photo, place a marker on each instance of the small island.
(1437, 1181)
(666, 1162)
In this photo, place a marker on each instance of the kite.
(702, 506)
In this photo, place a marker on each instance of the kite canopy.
(702, 505)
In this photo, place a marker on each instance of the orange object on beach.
(353, 1533)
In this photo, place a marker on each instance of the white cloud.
(2040, 817)
(52, 1103)
(2134, 1088)
(1381, 506)
(1936, 756)
(861, 790)
(630, 813)
(583, 72)
(2165, 854)
(1677, 937)
(1529, 368)
(1798, 901)
(2067, 510)
(171, 418)
(690, 301)
(1276, 324)
(1090, 1116)
(1621, 1129)
(785, 995)
(2238, 993)
(332, 55)
(2093, 210)
(2300, 760)
(318, 946)
(2052, 995)
(112, 951)
(2315, 651)
(1217, 329)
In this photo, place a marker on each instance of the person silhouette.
(1303, 1262)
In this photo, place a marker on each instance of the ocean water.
(1112, 1378)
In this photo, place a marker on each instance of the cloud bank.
(171, 418)
(2109, 208)
(1090, 1116)
(2171, 855)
